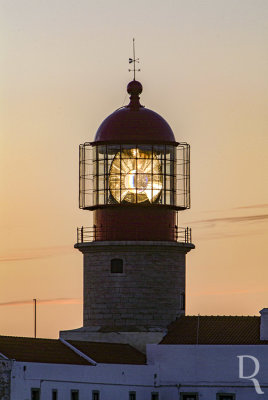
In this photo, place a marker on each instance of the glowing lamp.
(135, 176)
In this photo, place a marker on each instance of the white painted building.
(196, 360)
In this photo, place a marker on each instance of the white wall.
(173, 369)
(110, 379)
(209, 369)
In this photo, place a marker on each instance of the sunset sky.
(64, 68)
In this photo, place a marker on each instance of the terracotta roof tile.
(114, 353)
(214, 330)
(39, 350)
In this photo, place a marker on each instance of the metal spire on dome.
(134, 60)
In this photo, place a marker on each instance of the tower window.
(154, 396)
(116, 266)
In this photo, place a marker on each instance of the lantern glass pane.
(101, 167)
(142, 174)
(136, 173)
(101, 197)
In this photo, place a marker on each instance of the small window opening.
(132, 395)
(35, 394)
(74, 394)
(95, 395)
(225, 396)
(54, 394)
(189, 396)
(154, 396)
(116, 266)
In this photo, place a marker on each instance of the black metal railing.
(91, 234)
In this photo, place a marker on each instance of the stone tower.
(135, 178)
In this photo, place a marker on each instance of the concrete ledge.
(139, 340)
(185, 247)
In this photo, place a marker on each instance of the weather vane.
(134, 61)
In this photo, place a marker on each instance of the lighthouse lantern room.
(134, 176)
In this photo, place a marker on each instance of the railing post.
(176, 233)
(185, 235)
(82, 234)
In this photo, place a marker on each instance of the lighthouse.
(135, 179)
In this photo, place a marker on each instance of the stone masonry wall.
(147, 293)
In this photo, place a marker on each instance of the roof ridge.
(78, 352)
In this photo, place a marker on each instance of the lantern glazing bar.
(141, 175)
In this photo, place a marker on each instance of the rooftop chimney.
(264, 324)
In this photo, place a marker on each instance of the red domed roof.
(135, 123)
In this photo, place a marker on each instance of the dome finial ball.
(134, 88)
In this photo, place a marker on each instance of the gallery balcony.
(92, 234)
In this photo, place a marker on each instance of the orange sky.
(204, 69)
